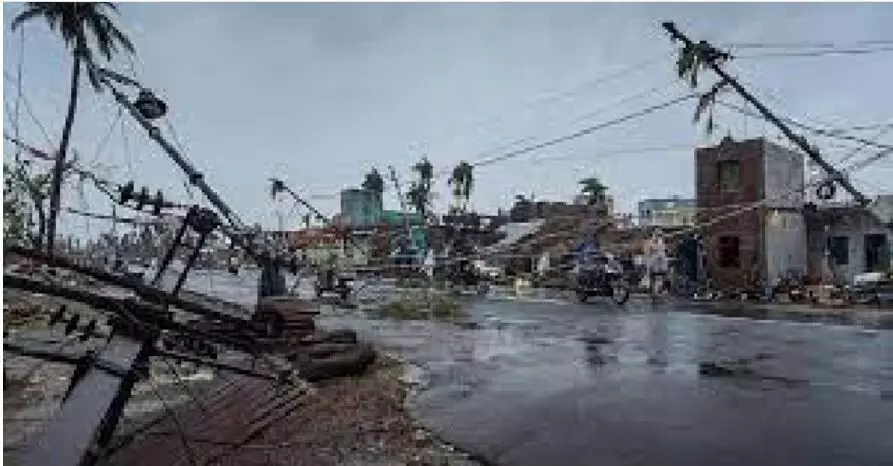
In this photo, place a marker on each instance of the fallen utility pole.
(196, 178)
(91, 412)
(708, 54)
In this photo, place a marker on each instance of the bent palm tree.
(75, 22)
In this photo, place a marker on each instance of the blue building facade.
(361, 207)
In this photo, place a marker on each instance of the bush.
(417, 306)
(446, 308)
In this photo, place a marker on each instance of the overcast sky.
(318, 94)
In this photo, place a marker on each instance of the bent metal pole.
(196, 178)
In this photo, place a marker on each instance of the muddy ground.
(348, 421)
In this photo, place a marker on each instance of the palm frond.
(33, 10)
(685, 61)
(706, 102)
(74, 22)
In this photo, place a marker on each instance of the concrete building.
(323, 245)
(751, 192)
(360, 207)
(845, 240)
(584, 199)
(669, 212)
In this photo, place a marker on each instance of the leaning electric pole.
(709, 55)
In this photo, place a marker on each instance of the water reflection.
(501, 339)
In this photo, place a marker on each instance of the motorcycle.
(605, 278)
(463, 275)
(792, 286)
(329, 281)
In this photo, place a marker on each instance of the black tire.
(582, 295)
(619, 293)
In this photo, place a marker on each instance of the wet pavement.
(540, 380)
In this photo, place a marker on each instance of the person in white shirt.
(656, 252)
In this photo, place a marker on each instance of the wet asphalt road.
(545, 382)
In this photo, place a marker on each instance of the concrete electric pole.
(709, 55)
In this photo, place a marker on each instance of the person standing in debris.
(658, 264)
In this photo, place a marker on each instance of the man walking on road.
(657, 262)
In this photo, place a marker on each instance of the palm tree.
(373, 181)
(692, 58)
(594, 189)
(77, 24)
(418, 198)
(462, 181)
(425, 171)
(419, 194)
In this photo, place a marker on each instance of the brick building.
(759, 244)
(846, 240)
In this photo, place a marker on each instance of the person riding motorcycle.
(592, 264)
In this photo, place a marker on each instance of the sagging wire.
(575, 90)
(855, 151)
(584, 131)
(128, 153)
(182, 149)
(30, 111)
(830, 133)
(100, 147)
(19, 94)
(831, 128)
(807, 45)
(505, 152)
(817, 53)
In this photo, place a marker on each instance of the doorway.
(877, 253)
